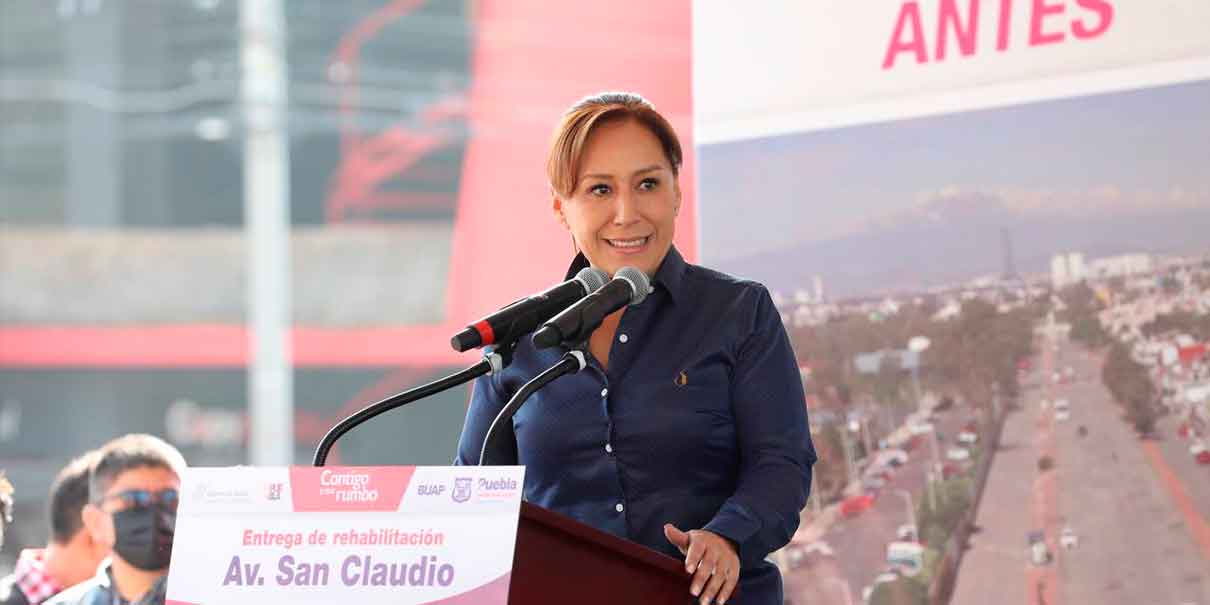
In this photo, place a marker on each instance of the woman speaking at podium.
(688, 432)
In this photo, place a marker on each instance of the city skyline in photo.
(922, 202)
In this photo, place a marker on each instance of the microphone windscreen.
(638, 279)
(593, 279)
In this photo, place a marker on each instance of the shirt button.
(623, 338)
(619, 507)
(604, 392)
(608, 448)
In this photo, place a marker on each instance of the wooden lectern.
(562, 561)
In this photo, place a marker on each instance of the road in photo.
(1131, 545)
(1134, 543)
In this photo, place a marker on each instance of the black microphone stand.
(573, 361)
(494, 360)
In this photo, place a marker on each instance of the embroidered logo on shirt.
(681, 379)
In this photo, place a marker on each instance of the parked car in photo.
(950, 469)
(1068, 538)
(819, 547)
(959, 454)
(907, 533)
(799, 554)
(886, 576)
(856, 505)
(896, 457)
(873, 484)
(882, 473)
(906, 557)
(1200, 452)
(968, 437)
(1062, 410)
(1039, 552)
(794, 557)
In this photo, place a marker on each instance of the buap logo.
(431, 489)
(462, 489)
(274, 491)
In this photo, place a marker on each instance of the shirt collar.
(155, 594)
(670, 276)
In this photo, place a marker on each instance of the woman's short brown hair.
(567, 145)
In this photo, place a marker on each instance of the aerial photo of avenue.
(1012, 439)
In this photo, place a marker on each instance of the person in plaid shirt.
(71, 556)
(133, 492)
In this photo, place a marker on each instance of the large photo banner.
(987, 226)
(321, 535)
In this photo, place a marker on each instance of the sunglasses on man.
(142, 498)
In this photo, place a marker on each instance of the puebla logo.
(462, 489)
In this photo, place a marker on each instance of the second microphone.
(576, 323)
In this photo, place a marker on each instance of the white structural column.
(267, 230)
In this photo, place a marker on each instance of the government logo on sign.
(462, 489)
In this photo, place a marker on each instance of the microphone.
(576, 323)
(509, 324)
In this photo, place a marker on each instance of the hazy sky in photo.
(1103, 152)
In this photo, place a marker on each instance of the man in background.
(71, 556)
(133, 494)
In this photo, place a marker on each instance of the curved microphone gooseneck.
(573, 361)
(493, 361)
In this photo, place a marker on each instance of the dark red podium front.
(562, 561)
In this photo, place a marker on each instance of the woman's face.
(623, 210)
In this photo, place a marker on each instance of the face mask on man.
(144, 536)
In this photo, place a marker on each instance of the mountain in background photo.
(922, 202)
(957, 235)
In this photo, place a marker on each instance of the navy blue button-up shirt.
(699, 421)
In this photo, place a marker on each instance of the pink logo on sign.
(349, 488)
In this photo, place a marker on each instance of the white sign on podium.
(400, 535)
